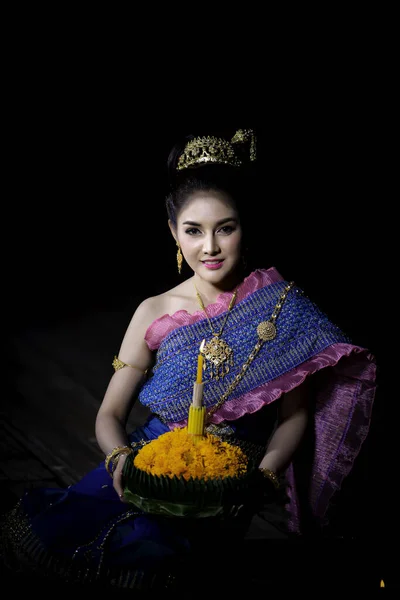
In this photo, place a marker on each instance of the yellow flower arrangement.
(180, 476)
(174, 454)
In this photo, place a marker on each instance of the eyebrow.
(221, 222)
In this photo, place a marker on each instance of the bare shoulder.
(180, 297)
(134, 347)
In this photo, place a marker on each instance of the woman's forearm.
(285, 441)
(110, 433)
(118, 401)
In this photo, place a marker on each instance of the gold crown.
(215, 150)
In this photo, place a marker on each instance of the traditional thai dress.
(84, 533)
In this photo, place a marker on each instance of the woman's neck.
(209, 292)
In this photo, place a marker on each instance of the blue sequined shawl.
(303, 330)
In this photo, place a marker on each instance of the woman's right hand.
(117, 478)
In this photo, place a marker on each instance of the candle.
(197, 411)
(200, 360)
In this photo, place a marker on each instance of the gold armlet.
(268, 474)
(113, 457)
(119, 364)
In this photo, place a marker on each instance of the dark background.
(88, 218)
(85, 229)
(91, 105)
(90, 228)
(87, 225)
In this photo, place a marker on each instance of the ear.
(173, 230)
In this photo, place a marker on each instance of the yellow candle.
(197, 412)
(199, 377)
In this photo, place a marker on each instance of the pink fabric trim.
(265, 394)
(162, 326)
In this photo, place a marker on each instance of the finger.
(117, 483)
(120, 493)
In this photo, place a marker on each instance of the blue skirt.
(85, 534)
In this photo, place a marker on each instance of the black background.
(87, 131)
(88, 124)
(85, 224)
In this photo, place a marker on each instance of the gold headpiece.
(215, 150)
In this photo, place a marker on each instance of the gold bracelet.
(115, 452)
(118, 364)
(116, 461)
(268, 474)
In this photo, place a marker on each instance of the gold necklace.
(266, 331)
(217, 352)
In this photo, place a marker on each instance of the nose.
(210, 245)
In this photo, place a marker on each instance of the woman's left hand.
(117, 477)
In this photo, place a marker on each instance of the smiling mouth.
(213, 264)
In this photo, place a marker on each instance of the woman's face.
(210, 235)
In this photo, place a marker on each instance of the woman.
(280, 379)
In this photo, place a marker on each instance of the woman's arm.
(112, 416)
(119, 397)
(292, 423)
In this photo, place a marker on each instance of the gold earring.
(179, 258)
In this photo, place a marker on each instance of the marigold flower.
(175, 454)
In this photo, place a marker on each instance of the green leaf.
(172, 509)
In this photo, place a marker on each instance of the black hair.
(236, 182)
(239, 183)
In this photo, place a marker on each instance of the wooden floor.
(58, 373)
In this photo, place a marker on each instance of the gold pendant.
(219, 355)
(266, 331)
(219, 429)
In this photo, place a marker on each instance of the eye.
(192, 231)
(227, 229)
